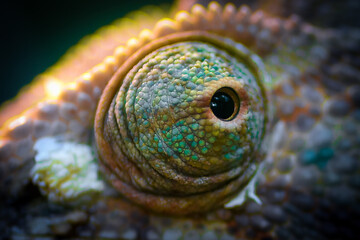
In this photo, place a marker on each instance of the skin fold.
(308, 181)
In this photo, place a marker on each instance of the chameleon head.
(180, 125)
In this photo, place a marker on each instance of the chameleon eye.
(225, 104)
(183, 116)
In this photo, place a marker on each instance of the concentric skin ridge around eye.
(161, 114)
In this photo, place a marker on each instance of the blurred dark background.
(35, 34)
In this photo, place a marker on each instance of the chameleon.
(214, 123)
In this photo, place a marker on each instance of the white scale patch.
(65, 171)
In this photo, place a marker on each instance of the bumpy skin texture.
(181, 158)
(309, 188)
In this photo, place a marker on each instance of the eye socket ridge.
(225, 104)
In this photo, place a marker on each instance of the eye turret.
(180, 126)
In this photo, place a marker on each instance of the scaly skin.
(309, 187)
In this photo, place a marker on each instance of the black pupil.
(222, 105)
